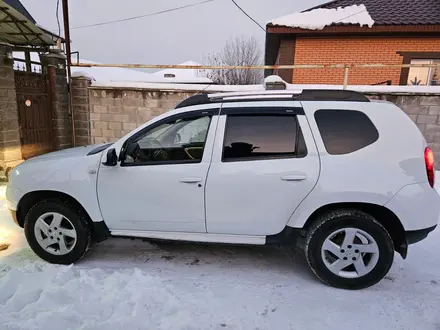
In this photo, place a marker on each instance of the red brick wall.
(287, 54)
(355, 50)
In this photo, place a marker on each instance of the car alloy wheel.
(55, 233)
(350, 253)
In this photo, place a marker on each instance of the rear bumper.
(417, 206)
(415, 236)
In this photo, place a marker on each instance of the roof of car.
(273, 95)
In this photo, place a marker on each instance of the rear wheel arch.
(383, 215)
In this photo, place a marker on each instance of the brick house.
(402, 32)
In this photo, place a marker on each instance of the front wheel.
(58, 231)
(349, 249)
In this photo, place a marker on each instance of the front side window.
(175, 141)
(255, 137)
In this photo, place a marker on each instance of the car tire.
(328, 248)
(66, 244)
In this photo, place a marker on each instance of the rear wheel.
(349, 249)
(58, 231)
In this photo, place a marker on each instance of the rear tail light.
(430, 166)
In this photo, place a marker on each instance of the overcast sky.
(170, 38)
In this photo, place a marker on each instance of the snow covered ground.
(124, 284)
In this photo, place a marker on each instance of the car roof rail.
(294, 95)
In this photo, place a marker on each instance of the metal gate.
(34, 113)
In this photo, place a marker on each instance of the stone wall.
(81, 111)
(10, 147)
(114, 113)
(425, 112)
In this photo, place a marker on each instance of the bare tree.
(240, 51)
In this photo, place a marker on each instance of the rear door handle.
(294, 177)
(190, 180)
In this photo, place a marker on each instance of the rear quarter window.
(345, 131)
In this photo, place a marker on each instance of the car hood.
(71, 153)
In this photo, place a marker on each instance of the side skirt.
(193, 237)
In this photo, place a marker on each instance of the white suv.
(348, 179)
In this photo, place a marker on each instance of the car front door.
(264, 164)
(159, 183)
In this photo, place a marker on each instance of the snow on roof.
(110, 75)
(183, 75)
(318, 19)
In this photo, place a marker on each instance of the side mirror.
(112, 158)
(177, 138)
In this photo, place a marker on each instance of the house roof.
(18, 6)
(394, 12)
(18, 27)
(390, 17)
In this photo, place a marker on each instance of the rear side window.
(345, 131)
(257, 137)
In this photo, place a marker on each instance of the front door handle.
(294, 177)
(190, 180)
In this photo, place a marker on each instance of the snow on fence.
(346, 67)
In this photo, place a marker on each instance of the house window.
(424, 76)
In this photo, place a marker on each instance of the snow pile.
(132, 285)
(10, 233)
(91, 299)
(318, 19)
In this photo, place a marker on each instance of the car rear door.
(264, 164)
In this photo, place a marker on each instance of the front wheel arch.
(32, 198)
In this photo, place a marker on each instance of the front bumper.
(14, 216)
(415, 236)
